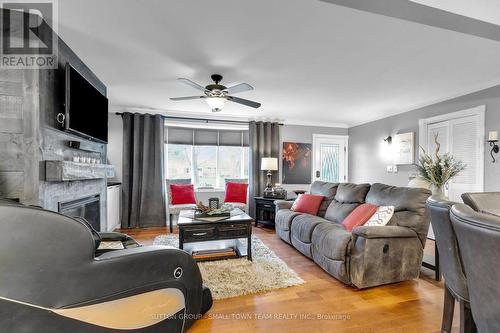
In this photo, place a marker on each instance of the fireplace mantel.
(57, 171)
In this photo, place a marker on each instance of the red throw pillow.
(359, 216)
(182, 194)
(308, 204)
(236, 192)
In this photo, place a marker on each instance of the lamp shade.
(269, 163)
(215, 103)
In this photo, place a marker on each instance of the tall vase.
(438, 191)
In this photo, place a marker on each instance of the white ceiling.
(484, 10)
(310, 62)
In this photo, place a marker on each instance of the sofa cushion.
(328, 190)
(352, 193)
(176, 209)
(282, 222)
(307, 204)
(331, 240)
(303, 225)
(359, 216)
(284, 218)
(337, 211)
(301, 232)
(238, 205)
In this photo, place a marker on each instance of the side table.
(265, 211)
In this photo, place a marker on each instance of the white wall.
(115, 144)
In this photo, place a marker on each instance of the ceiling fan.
(216, 94)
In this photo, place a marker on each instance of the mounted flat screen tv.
(86, 108)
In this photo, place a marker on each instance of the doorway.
(460, 134)
(330, 158)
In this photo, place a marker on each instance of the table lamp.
(269, 164)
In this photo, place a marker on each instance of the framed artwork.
(404, 148)
(297, 163)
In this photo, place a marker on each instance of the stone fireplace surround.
(88, 208)
(30, 135)
(52, 193)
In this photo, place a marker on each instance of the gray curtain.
(264, 142)
(143, 189)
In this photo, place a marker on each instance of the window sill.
(208, 190)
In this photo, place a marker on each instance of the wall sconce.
(493, 139)
(388, 139)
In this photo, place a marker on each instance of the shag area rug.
(234, 277)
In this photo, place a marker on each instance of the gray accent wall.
(303, 134)
(368, 160)
(293, 133)
(300, 133)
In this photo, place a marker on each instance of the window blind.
(180, 135)
(205, 137)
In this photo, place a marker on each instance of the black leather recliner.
(451, 265)
(51, 280)
(478, 237)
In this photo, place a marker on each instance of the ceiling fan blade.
(186, 98)
(239, 88)
(192, 84)
(244, 101)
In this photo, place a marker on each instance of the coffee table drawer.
(200, 233)
(232, 230)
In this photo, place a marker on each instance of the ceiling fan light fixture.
(216, 103)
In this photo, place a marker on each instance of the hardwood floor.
(412, 306)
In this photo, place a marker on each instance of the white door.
(462, 137)
(330, 158)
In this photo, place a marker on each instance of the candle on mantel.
(493, 136)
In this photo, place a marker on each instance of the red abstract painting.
(297, 159)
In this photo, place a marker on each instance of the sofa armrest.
(283, 204)
(113, 236)
(371, 232)
(134, 252)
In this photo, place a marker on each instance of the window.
(206, 166)
(179, 161)
(232, 163)
(206, 156)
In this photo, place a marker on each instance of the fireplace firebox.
(89, 208)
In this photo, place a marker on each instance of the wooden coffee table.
(196, 235)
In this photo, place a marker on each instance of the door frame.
(344, 138)
(479, 111)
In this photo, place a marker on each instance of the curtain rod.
(201, 119)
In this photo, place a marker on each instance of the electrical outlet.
(389, 168)
(395, 168)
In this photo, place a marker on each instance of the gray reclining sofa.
(369, 255)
